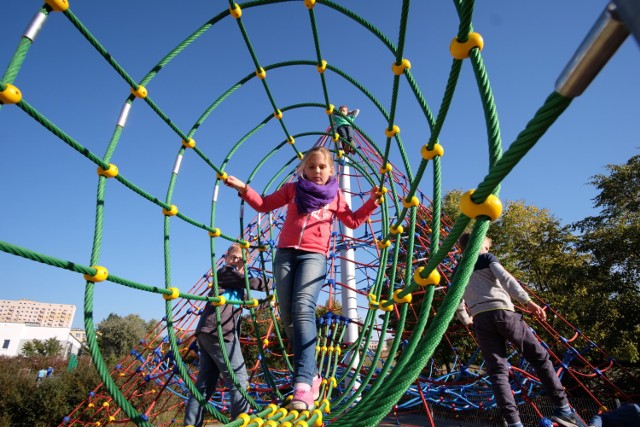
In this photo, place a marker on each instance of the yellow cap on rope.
(386, 168)
(189, 144)
(432, 279)
(322, 67)
(175, 293)
(329, 110)
(215, 232)
(405, 299)
(392, 132)
(173, 210)
(58, 5)
(110, 172)
(399, 69)
(235, 11)
(141, 92)
(461, 50)
(427, 154)
(491, 207)
(10, 95)
(100, 275)
(414, 201)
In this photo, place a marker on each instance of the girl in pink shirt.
(300, 264)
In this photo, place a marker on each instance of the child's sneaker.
(315, 387)
(571, 420)
(302, 400)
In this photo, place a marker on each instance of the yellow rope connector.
(273, 408)
(175, 293)
(399, 69)
(300, 156)
(373, 302)
(262, 248)
(318, 414)
(189, 144)
(384, 243)
(301, 423)
(110, 172)
(222, 175)
(10, 95)
(58, 5)
(141, 92)
(336, 137)
(284, 411)
(386, 168)
(427, 154)
(235, 11)
(221, 301)
(461, 50)
(245, 419)
(253, 303)
(322, 67)
(491, 207)
(105, 404)
(400, 300)
(295, 413)
(329, 110)
(396, 229)
(411, 203)
(100, 275)
(309, 3)
(291, 140)
(327, 405)
(258, 421)
(385, 305)
(271, 423)
(173, 210)
(432, 279)
(215, 232)
(382, 191)
(340, 154)
(244, 244)
(392, 132)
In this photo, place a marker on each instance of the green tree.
(117, 335)
(48, 347)
(612, 241)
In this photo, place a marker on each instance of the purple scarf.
(311, 197)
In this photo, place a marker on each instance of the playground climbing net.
(398, 268)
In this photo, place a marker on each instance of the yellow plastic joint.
(386, 168)
(100, 275)
(340, 154)
(10, 95)
(262, 248)
(221, 301)
(432, 279)
(392, 132)
(384, 243)
(253, 303)
(110, 172)
(236, 12)
(261, 73)
(318, 414)
(382, 191)
(427, 154)
(309, 3)
(414, 201)
(245, 419)
(399, 69)
(270, 423)
(291, 140)
(58, 5)
(273, 408)
(491, 207)
(190, 143)
(461, 50)
(175, 293)
(333, 382)
(244, 244)
(173, 210)
(326, 405)
(386, 305)
(329, 110)
(222, 175)
(336, 137)
(396, 229)
(301, 423)
(215, 232)
(277, 114)
(141, 92)
(405, 299)
(300, 156)
(322, 67)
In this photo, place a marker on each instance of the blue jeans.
(211, 366)
(493, 329)
(299, 277)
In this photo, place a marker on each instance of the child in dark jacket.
(231, 284)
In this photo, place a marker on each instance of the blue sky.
(49, 189)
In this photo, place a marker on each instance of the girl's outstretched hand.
(234, 182)
(373, 194)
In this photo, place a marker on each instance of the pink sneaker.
(302, 400)
(315, 387)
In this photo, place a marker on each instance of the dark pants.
(346, 132)
(493, 330)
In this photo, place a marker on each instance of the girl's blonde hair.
(328, 156)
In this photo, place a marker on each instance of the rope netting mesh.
(398, 267)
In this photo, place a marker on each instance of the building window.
(5, 344)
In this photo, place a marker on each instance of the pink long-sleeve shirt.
(309, 232)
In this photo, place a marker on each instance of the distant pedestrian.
(49, 371)
(42, 374)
